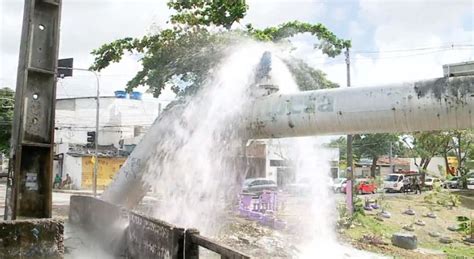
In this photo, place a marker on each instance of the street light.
(96, 152)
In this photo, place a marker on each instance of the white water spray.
(197, 164)
(196, 173)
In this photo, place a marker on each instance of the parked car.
(258, 185)
(453, 183)
(431, 182)
(339, 184)
(394, 183)
(362, 186)
(470, 180)
(365, 186)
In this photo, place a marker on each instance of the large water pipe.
(436, 104)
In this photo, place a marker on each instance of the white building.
(119, 119)
(122, 123)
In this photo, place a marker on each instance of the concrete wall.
(80, 169)
(108, 167)
(433, 166)
(128, 234)
(37, 238)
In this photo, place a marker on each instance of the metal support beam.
(29, 190)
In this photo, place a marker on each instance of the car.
(453, 183)
(362, 186)
(258, 185)
(394, 183)
(339, 184)
(431, 182)
(365, 186)
(470, 181)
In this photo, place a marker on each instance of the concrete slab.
(33, 238)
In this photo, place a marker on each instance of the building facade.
(122, 123)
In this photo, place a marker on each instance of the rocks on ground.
(405, 240)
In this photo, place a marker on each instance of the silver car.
(258, 185)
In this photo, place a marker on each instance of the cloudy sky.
(393, 40)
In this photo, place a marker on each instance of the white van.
(393, 183)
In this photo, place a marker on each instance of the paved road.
(60, 201)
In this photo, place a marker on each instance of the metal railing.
(194, 240)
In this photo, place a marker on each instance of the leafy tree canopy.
(6, 117)
(198, 40)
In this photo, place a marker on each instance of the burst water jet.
(188, 156)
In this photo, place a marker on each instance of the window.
(278, 163)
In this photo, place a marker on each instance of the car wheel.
(402, 189)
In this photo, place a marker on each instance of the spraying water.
(198, 164)
(198, 168)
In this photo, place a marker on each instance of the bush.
(442, 197)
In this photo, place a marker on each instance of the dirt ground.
(264, 242)
(429, 247)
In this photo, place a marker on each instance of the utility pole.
(96, 153)
(390, 158)
(29, 186)
(350, 169)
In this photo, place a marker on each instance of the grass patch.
(369, 225)
(452, 251)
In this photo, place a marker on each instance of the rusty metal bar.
(223, 250)
(29, 189)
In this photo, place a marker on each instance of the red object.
(366, 187)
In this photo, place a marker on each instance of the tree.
(6, 118)
(201, 34)
(462, 142)
(370, 146)
(373, 146)
(426, 145)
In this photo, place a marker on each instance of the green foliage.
(465, 225)
(373, 146)
(329, 43)
(427, 145)
(186, 53)
(441, 197)
(346, 219)
(6, 117)
(307, 77)
(205, 13)
(462, 146)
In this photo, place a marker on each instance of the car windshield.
(391, 178)
(250, 181)
(429, 180)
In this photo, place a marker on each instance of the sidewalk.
(78, 192)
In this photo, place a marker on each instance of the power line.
(342, 61)
(450, 46)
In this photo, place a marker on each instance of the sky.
(393, 40)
